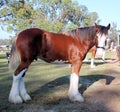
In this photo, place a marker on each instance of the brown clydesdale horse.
(51, 47)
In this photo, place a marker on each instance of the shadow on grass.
(85, 82)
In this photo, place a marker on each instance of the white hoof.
(15, 99)
(26, 97)
(78, 97)
(92, 66)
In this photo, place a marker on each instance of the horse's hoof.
(26, 97)
(15, 99)
(93, 66)
(78, 97)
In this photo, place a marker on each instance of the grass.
(48, 85)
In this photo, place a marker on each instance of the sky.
(4, 34)
(107, 10)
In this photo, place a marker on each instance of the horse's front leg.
(103, 56)
(73, 92)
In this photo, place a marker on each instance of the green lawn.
(47, 84)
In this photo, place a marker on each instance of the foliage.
(90, 19)
(5, 41)
(113, 32)
(52, 15)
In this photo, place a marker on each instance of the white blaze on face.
(101, 43)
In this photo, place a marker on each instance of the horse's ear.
(108, 27)
(96, 26)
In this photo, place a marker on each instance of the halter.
(101, 47)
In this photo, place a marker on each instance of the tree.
(52, 15)
(16, 15)
(113, 32)
(90, 19)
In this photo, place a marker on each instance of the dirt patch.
(107, 96)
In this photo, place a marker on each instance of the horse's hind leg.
(23, 93)
(18, 92)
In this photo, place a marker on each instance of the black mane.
(82, 33)
(87, 32)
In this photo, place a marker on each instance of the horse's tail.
(14, 56)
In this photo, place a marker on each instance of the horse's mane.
(86, 32)
(82, 33)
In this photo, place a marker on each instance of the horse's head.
(102, 34)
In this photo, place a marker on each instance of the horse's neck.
(89, 44)
(93, 43)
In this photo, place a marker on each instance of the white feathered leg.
(73, 93)
(14, 96)
(23, 92)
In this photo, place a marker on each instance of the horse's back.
(29, 34)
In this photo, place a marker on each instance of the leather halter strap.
(101, 47)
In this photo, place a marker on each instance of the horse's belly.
(60, 62)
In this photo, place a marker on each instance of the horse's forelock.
(103, 30)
